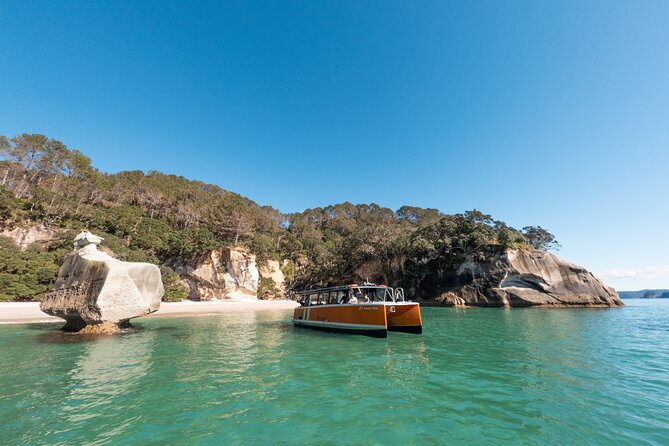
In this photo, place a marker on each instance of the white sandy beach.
(29, 312)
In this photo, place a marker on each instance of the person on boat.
(353, 299)
(365, 299)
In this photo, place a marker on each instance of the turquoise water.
(476, 376)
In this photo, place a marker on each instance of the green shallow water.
(476, 376)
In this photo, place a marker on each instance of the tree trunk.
(18, 191)
(76, 211)
(53, 184)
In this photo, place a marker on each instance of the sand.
(29, 312)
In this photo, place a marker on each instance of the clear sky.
(552, 113)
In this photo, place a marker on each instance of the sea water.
(475, 376)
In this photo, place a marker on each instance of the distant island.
(210, 242)
(644, 294)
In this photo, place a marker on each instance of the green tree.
(539, 238)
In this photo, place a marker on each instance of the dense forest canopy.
(156, 217)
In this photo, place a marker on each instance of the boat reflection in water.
(367, 309)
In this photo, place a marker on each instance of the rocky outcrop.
(220, 274)
(25, 236)
(96, 293)
(518, 278)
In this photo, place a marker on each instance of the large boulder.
(518, 278)
(220, 274)
(95, 292)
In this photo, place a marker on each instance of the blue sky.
(540, 113)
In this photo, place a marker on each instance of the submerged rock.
(518, 278)
(97, 293)
(220, 274)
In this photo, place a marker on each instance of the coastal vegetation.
(156, 217)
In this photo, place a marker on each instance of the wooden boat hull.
(373, 319)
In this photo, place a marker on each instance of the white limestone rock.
(242, 276)
(220, 274)
(25, 236)
(94, 289)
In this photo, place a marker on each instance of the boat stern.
(404, 317)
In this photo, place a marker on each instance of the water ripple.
(482, 376)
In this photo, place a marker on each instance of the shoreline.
(29, 312)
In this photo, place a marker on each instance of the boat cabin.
(349, 294)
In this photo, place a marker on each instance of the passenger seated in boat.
(353, 300)
(365, 299)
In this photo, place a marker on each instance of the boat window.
(342, 297)
(362, 294)
(377, 294)
(334, 298)
(370, 294)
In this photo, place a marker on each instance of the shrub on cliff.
(26, 275)
(175, 291)
(267, 288)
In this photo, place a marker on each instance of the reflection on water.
(474, 376)
(108, 368)
(109, 371)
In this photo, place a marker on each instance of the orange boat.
(366, 309)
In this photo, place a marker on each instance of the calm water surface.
(476, 376)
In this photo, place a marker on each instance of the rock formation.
(518, 278)
(25, 236)
(220, 274)
(95, 292)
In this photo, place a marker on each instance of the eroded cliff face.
(517, 278)
(219, 274)
(25, 236)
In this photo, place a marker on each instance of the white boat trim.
(339, 325)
